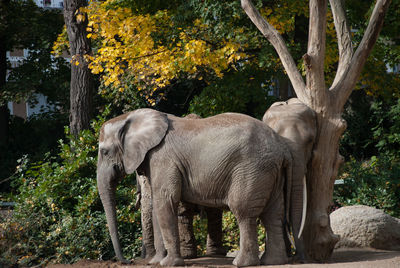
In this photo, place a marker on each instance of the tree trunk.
(327, 103)
(318, 237)
(81, 77)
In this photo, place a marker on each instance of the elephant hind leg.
(248, 253)
(186, 234)
(214, 232)
(273, 220)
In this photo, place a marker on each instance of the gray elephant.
(297, 123)
(229, 160)
(186, 213)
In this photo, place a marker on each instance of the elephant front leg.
(167, 219)
(158, 241)
(248, 253)
(273, 219)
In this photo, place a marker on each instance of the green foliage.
(242, 92)
(373, 127)
(123, 100)
(357, 140)
(26, 138)
(231, 232)
(373, 133)
(373, 183)
(200, 233)
(23, 25)
(386, 133)
(39, 73)
(59, 217)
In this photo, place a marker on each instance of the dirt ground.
(343, 258)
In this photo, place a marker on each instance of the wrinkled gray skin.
(186, 213)
(146, 209)
(297, 123)
(229, 160)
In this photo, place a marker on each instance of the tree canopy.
(154, 45)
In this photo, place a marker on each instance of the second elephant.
(297, 123)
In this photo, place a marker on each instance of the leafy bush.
(386, 133)
(357, 140)
(26, 138)
(59, 217)
(373, 127)
(373, 183)
(230, 231)
(231, 238)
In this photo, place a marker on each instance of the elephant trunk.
(107, 190)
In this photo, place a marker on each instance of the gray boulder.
(363, 226)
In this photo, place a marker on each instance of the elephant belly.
(204, 196)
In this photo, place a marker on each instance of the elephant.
(186, 213)
(297, 124)
(228, 161)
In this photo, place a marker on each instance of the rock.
(363, 226)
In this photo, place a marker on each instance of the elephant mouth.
(118, 169)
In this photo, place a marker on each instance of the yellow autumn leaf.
(80, 18)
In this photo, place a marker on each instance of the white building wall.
(42, 105)
(49, 3)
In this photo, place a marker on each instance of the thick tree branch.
(314, 59)
(344, 39)
(277, 41)
(349, 79)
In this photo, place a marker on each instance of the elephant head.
(123, 144)
(297, 123)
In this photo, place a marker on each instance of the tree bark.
(81, 77)
(328, 104)
(318, 237)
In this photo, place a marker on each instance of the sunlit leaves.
(282, 15)
(138, 45)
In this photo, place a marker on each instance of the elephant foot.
(246, 260)
(216, 251)
(299, 258)
(272, 259)
(172, 261)
(188, 253)
(157, 258)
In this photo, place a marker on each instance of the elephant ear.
(143, 130)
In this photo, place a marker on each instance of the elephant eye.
(104, 151)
